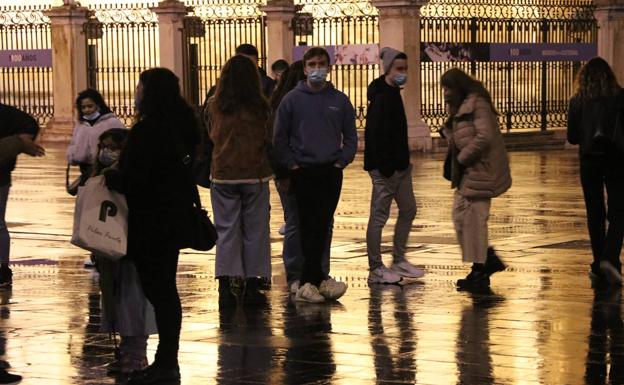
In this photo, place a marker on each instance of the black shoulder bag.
(202, 234)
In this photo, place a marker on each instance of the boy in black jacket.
(12, 122)
(387, 160)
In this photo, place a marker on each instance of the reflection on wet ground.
(541, 323)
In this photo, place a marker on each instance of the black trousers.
(157, 264)
(317, 190)
(598, 173)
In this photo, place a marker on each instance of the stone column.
(69, 67)
(399, 28)
(170, 32)
(280, 35)
(610, 17)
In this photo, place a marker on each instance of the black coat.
(585, 117)
(159, 187)
(14, 122)
(386, 147)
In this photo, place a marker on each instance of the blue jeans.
(291, 251)
(5, 240)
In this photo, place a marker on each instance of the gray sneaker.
(332, 289)
(309, 293)
(384, 275)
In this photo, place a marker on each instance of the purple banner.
(543, 52)
(26, 58)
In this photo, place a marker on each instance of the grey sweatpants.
(470, 217)
(398, 188)
(241, 217)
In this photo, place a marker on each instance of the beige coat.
(481, 155)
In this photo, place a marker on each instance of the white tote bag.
(101, 220)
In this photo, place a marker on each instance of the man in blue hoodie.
(315, 138)
(387, 160)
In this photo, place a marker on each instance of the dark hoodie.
(14, 122)
(314, 128)
(386, 147)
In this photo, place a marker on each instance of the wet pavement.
(541, 323)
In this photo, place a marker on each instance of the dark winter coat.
(14, 122)
(386, 148)
(585, 117)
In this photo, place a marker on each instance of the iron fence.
(211, 36)
(328, 23)
(529, 95)
(122, 41)
(27, 88)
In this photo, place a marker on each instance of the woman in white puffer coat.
(95, 117)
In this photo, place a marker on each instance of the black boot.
(477, 278)
(493, 264)
(226, 298)
(155, 374)
(254, 292)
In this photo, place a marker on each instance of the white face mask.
(92, 116)
(108, 157)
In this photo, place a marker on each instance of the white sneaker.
(282, 229)
(383, 275)
(332, 289)
(294, 286)
(309, 293)
(406, 269)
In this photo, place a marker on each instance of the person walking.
(155, 176)
(387, 160)
(479, 171)
(14, 124)
(592, 118)
(240, 172)
(315, 139)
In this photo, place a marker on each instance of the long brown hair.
(289, 80)
(461, 85)
(596, 80)
(239, 88)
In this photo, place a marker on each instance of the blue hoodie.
(314, 128)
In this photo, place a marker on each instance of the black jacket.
(386, 148)
(585, 118)
(158, 186)
(13, 122)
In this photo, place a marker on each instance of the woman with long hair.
(591, 119)
(94, 118)
(154, 173)
(479, 171)
(240, 171)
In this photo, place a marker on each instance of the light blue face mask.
(92, 116)
(400, 79)
(108, 157)
(318, 76)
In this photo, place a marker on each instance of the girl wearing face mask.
(125, 310)
(94, 118)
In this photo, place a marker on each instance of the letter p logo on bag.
(107, 209)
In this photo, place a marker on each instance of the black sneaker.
(477, 278)
(8, 378)
(6, 277)
(493, 264)
(612, 273)
(155, 375)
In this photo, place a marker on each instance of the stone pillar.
(280, 35)
(170, 31)
(610, 17)
(399, 28)
(69, 68)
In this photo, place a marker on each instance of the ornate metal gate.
(212, 35)
(122, 41)
(529, 95)
(27, 88)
